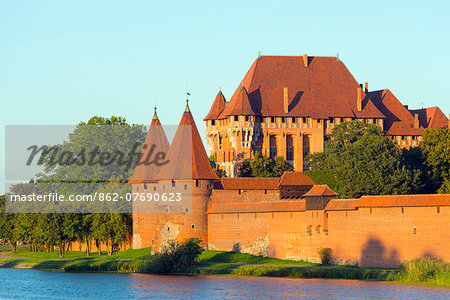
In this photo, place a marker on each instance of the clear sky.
(65, 61)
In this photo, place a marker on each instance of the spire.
(217, 107)
(155, 119)
(187, 106)
(155, 142)
(185, 164)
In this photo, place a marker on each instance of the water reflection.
(32, 284)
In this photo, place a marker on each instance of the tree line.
(359, 159)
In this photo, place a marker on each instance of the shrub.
(174, 258)
(425, 269)
(325, 255)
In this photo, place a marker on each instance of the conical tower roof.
(185, 164)
(239, 105)
(156, 141)
(217, 107)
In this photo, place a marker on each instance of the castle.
(288, 217)
(285, 105)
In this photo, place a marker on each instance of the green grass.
(426, 269)
(244, 258)
(144, 253)
(434, 272)
(336, 272)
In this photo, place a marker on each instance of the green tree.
(7, 225)
(363, 161)
(263, 166)
(435, 147)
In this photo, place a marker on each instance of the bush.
(174, 258)
(425, 269)
(325, 255)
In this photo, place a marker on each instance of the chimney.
(359, 99)
(366, 85)
(286, 100)
(416, 121)
(305, 60)
(406, 106)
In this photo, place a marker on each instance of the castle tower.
(230, 134)
(189, 173)
(143, 220)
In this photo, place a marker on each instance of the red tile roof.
(240, 105)
(157, 137)
(399, 121)
(250, 183)
(320, 190)
(296, 178)
(257, 207)
(324, 89)
(431, 117)
(404, 200)
(217, 107)
(341, 204)
(184, 164)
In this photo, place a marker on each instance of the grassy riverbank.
(428, 272)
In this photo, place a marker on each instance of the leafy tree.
(175, 257)
(7, 225)
(435, 147)
(263, 166)
(363, 161)
(47, 231)
(220, 173)
(245, 169)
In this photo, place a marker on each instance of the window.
(185, 186)
(282, 120)
(235, 118)
(154, 188)
(145, 186)
(304, 120)
(193, 226)
(246, 118)
(273, 145)
(438, 209)
(293, 120)
(187, 209)
(197, 183)
(213, 122)
(272, 119)
(289, 148)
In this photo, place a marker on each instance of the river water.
(34, 284)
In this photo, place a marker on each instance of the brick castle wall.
(369, 237)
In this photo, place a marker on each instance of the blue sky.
(64, 61)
